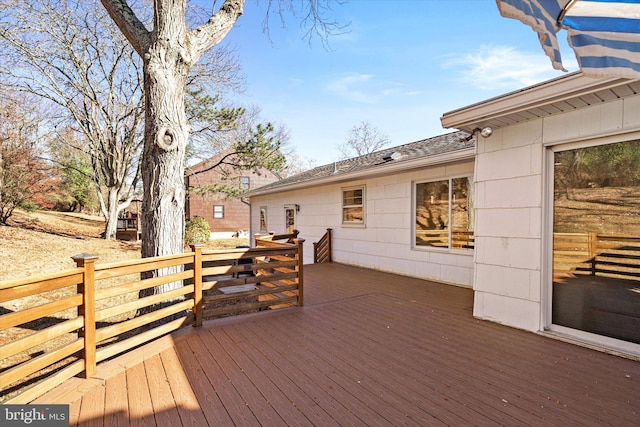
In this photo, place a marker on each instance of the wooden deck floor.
(368, 348)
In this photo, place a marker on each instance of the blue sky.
(400, 66)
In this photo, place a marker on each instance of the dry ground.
(43, 242)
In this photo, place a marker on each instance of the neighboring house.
(225, 215)
(532, 217)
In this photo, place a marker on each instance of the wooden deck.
(368, 348)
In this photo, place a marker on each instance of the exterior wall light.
(486, 132)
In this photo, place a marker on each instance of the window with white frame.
(263, 218)
(444, 214)
(245, 183)
(218, 211)
(353, 205)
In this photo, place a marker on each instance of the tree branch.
(132, 28)
(211, 33)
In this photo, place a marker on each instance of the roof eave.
(563, 88)
(386, 169)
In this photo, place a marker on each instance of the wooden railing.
(128, 228)
(64, 324)
(596, 255)
(322, 248)
(272, 236)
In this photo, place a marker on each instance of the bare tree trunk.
(166, 132)
(111, 216)
(168, 51)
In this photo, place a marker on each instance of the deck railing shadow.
(102, 310)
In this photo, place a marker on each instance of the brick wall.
(236, 212)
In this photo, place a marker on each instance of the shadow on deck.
(368, 348)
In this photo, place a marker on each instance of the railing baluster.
(299, 270)
(197, 284)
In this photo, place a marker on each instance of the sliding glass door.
(596, 240)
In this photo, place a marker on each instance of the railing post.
(88, 310)
(329, 250)
(197, 283)
(299, 270)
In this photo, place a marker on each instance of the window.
(353, 205)
(244, 183)
(263, 218)
(218, 211)
(444, 214)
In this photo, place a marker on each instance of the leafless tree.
(71, 55)
(363, 139)
(19, 166)
(169, 49)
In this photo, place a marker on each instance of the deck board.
(164, 404)
(218, 372)
(280, 354)
(351, 373)
(254, 405)
(185, 398)
(92, 408)
(368, 349)
(200, 378)
(139, 395)
(263, 391)
(282, 378)
(116, 405)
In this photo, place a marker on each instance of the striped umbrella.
(604, 34)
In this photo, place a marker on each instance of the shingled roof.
(378, 162)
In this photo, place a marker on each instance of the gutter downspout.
(247, 201)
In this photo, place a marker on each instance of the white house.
(534, 203)
(368, 204)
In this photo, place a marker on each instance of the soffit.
(564, 94)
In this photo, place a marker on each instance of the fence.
(64, 324)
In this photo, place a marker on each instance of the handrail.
(289, 237)
(322, 248)
(97, 311)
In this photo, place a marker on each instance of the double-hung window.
(244, 183)
(218, 211)
(444, 214)
(353, 205)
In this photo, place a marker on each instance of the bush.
(29, 206)
(196, 230)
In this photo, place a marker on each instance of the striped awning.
(604, 34)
